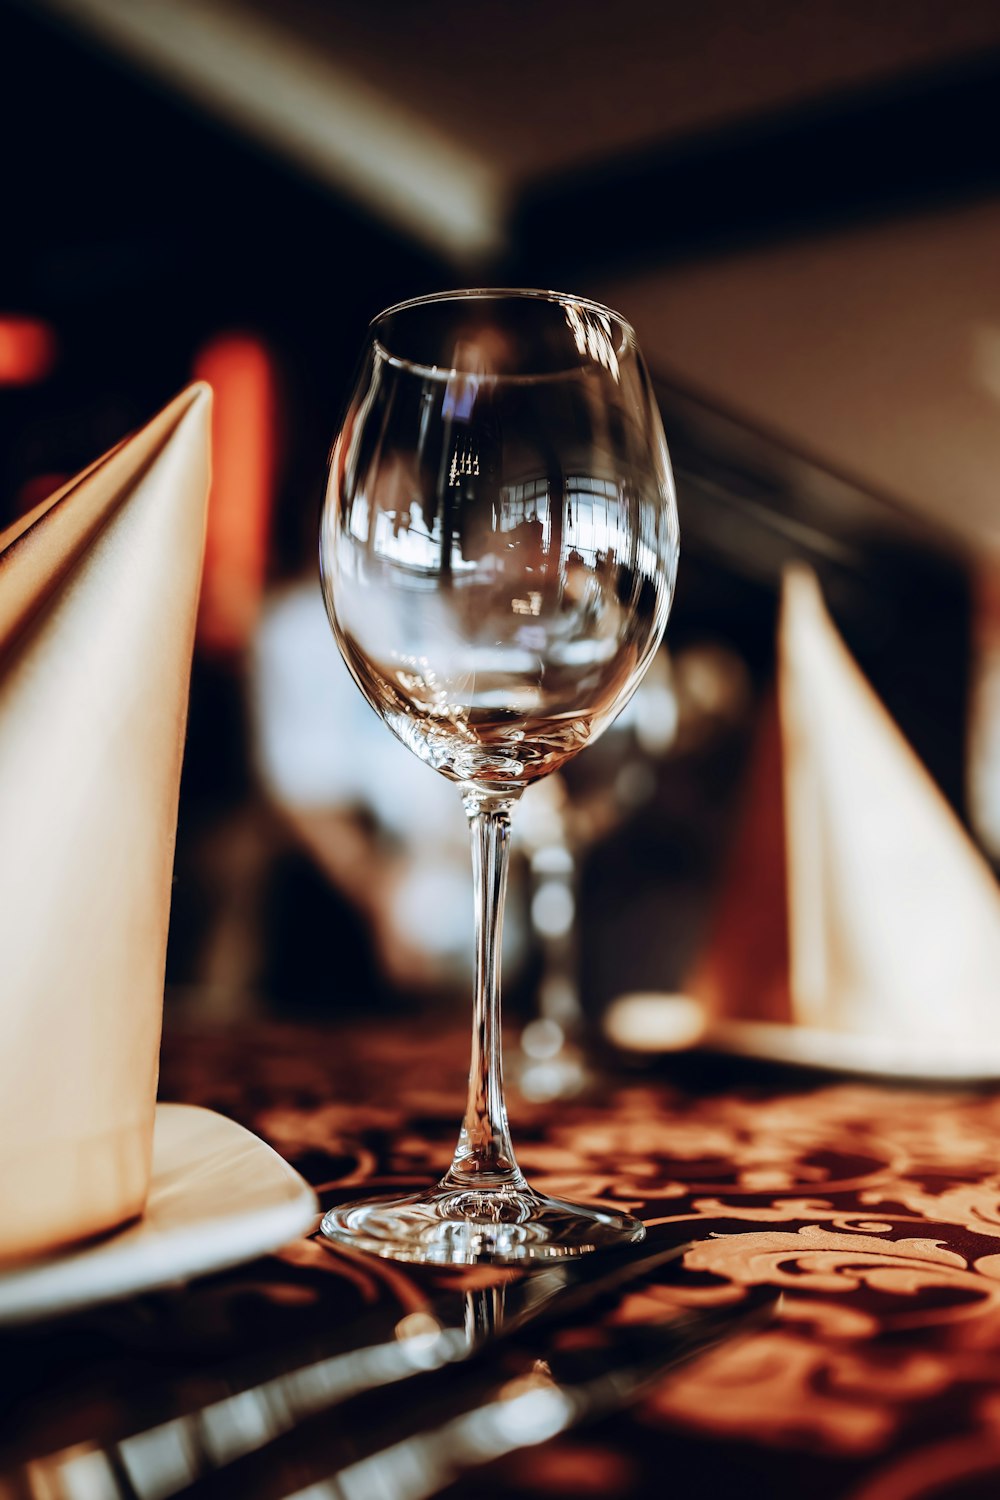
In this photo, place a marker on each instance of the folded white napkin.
(98, 595)
(894, 915)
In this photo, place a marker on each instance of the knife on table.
(335, 1412)
(555, 1363)
(565, 1391)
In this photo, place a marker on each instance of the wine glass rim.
(628, 341)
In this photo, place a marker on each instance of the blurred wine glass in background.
(684, 704)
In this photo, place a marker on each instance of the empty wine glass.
(498, 551)
(561, 819)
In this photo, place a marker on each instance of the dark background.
(139, 228)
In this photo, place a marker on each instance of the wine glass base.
(449, 1226)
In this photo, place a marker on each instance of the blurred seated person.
(386, 832)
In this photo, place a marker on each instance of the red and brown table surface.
(874, 1210)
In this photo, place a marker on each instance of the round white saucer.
(219, 1195)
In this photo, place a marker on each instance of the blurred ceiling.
(443, 118)
(798, 205)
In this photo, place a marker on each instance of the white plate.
(655, 1024)
(843, 1052)
(219, 1195)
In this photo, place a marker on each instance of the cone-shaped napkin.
(894, 916)
(98, 592)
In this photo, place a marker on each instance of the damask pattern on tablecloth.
(875, 1211)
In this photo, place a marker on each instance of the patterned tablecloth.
(876, 1210)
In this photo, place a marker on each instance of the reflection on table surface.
(873, 1210)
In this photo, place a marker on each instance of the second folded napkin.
(894, 915)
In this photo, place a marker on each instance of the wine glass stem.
(484, 1156)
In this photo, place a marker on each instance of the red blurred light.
(240, 370)
(28, 349)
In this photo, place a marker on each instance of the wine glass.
(561, 819)
(498, 552)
